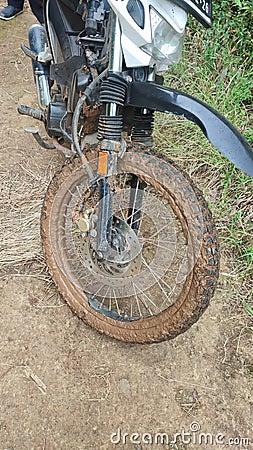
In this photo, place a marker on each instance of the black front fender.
(218, 130)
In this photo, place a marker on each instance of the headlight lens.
(166, 45)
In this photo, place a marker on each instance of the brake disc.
(124, 258)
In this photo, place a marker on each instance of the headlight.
(167, 43)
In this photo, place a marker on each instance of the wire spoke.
(146, 306)
(158, 232)
(155, 277)
(157, 245)
(122, 213)
(135, 199)
(104, 297)
(137, 301)
(133, 214)
(116, 302)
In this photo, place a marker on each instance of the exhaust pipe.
(38, 44)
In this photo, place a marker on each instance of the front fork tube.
(110, 126)
(104, 224)
(105, 169)
(105, 216)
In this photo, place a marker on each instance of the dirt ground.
(64, 386)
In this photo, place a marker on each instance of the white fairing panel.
(134, 37)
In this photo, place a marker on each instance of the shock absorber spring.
(143, 126)
(112, 96)
(113, 90)
(110, 127)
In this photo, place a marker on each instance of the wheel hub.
(124, 258)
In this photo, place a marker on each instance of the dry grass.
(22, 192)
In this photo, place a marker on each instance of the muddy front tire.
(178, 280)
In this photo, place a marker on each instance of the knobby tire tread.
(200, 284)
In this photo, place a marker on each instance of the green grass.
(217, 67)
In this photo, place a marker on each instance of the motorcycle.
(128, 239)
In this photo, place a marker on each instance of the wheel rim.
(106, 295)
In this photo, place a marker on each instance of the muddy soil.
(64, 386)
